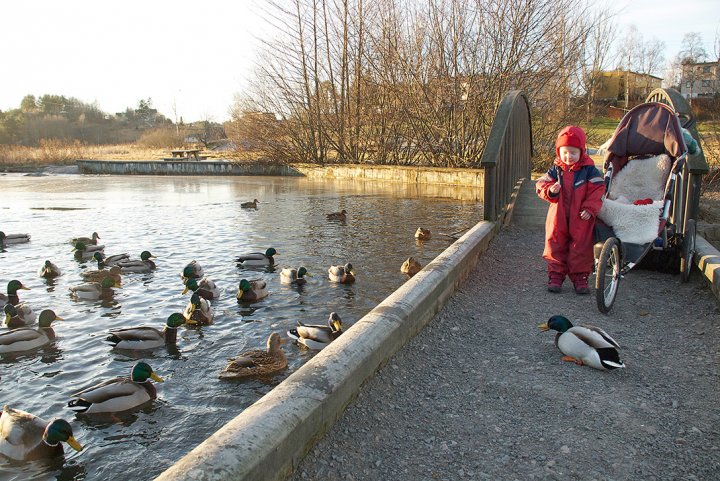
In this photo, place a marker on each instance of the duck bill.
(25, 288)
(185, 290)
(156, 378)
(240, 293)
(544, 326)
(337, 325)
(72, 442)
(58, 318)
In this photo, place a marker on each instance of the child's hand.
(555, 188)
(584, 215)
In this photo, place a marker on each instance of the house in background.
(616, 84)
(700, 80)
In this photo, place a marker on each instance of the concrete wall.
(269, 438)
(409, 175)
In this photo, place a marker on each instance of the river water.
(179, 219)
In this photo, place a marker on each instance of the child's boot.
(580, 282)
(555, 281)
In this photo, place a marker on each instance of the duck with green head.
(6, 239)
(143, 265)
(257, 362)
(118, 394)
(12, 296)
(95, 290)
(204, 288)
(584, 345)
(342, 274)
(20, 315)
(26, 437)
(26, 339)
(193, 269)
(317, 337)
(253, 290)
(257, 259)
(49, 270)
(143, 337)
(294, 276)
(87, 251)
(198, 311)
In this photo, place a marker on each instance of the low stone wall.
(473, 178)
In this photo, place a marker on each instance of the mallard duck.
(198, 311)
(423, 234)
(193, 269)
(18, 316)
(584, 345)
(12, 296)
(26, 437)
(141, 266)
(109, 261)
(315, 336)
(252, 290)
(342, 215)
(97, 276)
(410, 267)
(258, 258)
(294, 276)
(343, 274)
(94, 290)
(87, 251)
(86, 240)
(257, 362)
(118, 394)
(250, 205)
(6, 239)
(142, 337)
(25, 339)
(49, 270)
(205, 288)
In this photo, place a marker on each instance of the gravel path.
(481, 393)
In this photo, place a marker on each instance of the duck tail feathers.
(294, 334)
(610, 358)
(79, 405)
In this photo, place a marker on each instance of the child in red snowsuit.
(574, 188)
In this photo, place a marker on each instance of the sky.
(192, 57)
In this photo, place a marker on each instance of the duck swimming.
(257, 258)
(118, 394)
(205, 288)
(253, 290)
(97, 276)
(143, 265)
(257, 362)
(26, 437)
(49, 270)
(25, 338)
(317, 337)
(142, 337)
(86, 240)
(341, 216)
(86, 251)
(423, 234)
(198, 311)
(410, 266)
(94, 290)
(589, 345)
(18, 316)
(250, 205)
(6, 239)
(342, 274)
(12, 296)
(193, 269)
(294, 276)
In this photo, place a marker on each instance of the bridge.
(450, 378)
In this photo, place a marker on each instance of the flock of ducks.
(24, 436)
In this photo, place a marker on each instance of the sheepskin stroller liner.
(648, 130)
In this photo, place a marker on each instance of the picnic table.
(185, 154)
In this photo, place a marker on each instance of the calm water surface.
(180, 219)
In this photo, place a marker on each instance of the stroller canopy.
(649, 129)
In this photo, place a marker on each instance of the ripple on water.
(179, 219)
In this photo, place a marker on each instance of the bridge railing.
(507, 155)
(697, 165)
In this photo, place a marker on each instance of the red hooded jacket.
(568, 238)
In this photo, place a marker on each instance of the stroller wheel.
(607, 276)
(688, 250)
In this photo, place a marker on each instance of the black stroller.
(646, 191)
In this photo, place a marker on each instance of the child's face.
(569, 155)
